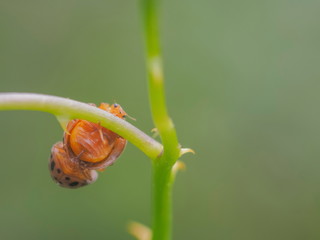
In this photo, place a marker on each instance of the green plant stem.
(162, 201)
(70, 109)
(159, 111)
(162, 166)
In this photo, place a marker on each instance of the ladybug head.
(117, 110)
(114, 109)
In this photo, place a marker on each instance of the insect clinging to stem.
(86, 147)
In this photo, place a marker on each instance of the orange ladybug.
(66, 171)
(97, 147)
(86, 146)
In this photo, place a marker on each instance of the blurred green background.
(242, 82)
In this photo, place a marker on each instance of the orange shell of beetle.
(67, 172)
(97, 147)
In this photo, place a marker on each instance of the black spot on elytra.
(67, 178)
(52, 165)
(58, 170)
(73, 184)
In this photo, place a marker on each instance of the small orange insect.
(93, 144)
(87, 146)
(66, 171)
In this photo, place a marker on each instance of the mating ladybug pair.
(86, 147)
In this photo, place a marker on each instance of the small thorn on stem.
(139, 231)
(186, 150)
(63, 121)
(155, 132)
(178, 166)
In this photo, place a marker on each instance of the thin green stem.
(162, 166)
(162, 201)
(70, 109)
(159, 111)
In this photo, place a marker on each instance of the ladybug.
(86, 147)
(96, 147)
(67, 171)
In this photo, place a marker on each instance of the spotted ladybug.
(66, 171)
(86, 147)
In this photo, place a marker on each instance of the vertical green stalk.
(162, 166)
(162, 202)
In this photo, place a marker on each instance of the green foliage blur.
(242, 83)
